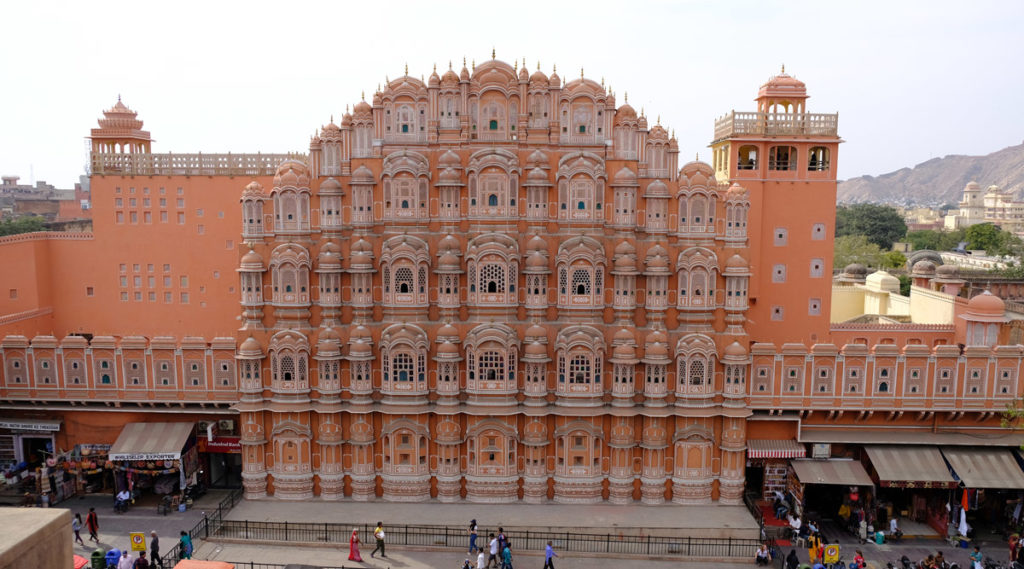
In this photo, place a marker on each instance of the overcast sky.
(910, 80)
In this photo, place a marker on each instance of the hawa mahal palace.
(492, 285)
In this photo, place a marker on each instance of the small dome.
(330, 246)
(624, 335)
(625, 113)
(947, 271)
(536, 349)
(554, 80)
(449, 78)
(448, 331)
(329, 334)
(656, 189)
(450, 159)
(346, 120)
(735, 350)
(448, 242)
(624, 351)
(250, 348)
(331, 131)
(328, 260)
(524, 75)
(537, 243)
(972, 185)
(986, 304)
(656, 350)
(783, 85)
(253, 190)
(537, 177)
(625, 248)
(882, 280)
(536, 260)
(698, 179)
(855, 269)
(625, 177)
(449, 177)
(360, 348)
(448, 348)
(736, 191)
(537, 158)
(435, 79)
(448, 260)
(330, 186)
(924, 268)
(252, 259)
(536, 331)
(736, 262)
(292, 173)
(362, 176)
(538, 77)
(658, 132)
(625, 263)
(362, 107)
(656, 336)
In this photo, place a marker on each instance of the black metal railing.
(457, 537)
(202, 530)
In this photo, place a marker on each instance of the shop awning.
(151, 441)
(910, 467)
(46, 425)
(831, 471)
(985, 468)
(786, 448)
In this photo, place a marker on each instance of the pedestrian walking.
(141, 562)
(126, 561)
(185, 546)
(506, 558)
(92, 523)
(493, 551)
(76, 526)
(378, 534)
(481, 560)
(154, 550)
(502, 541)
(977, 558)
(353, 546)
(792, 561)
(549, 555)
(472, 536)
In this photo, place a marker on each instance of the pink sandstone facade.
(490, 286)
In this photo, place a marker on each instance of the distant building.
(44, 200)
(993, 206)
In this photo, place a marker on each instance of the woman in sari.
(353, 546)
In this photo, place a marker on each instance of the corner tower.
(786, 158)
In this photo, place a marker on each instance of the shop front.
(813, 483)
(221, 458)
(914, 484)
(161, 458)
(768, 465)
(992, 484)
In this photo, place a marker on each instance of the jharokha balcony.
(121, 164)
(810, 124)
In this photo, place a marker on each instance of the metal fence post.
(206, 526)
(608, 543)
(246, 529)
(286, 531)
(326, 539)
(648, 544)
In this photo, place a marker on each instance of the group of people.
(127, 561)
(354, 541)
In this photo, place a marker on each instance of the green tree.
(935, 240)
(25, 224)
(882, 224)
(893, 260)
(856, 249)
(982, 236)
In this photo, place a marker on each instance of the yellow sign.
(138, 541)
(832, 553)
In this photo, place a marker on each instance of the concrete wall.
(36, 537)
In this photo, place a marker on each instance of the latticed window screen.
(562, 280)
(387, 281)
(697, 372)
(302, 369)
(287, 368)
(403, 279)
(492, 365)
(492, 278)
(402, 367)
(581, 282)
(422, 280)
(580, 369)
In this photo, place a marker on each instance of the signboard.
(28, 425)
(230, 445)
(145, 456)
(831, 553)
(821, 450)
(138, 541)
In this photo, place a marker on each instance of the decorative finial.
(449, 64)
(406, 68)
(783, 68)
(642, 111)
(538, 65)
(463, 60)
(602, 81)
(581, 73)
(515, 66)
(346, 108)
(554, 68)
(435, 68)
(332, 118)
(659, 120)
(696, 157)
(492, 52)
(364, 92)
(626, 95)
(119, 97)
(474, 64)
(421, 78)
(524, 63)
(387, 80)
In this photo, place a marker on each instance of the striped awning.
(985, 467)
(774, 448)
(836, 472)
(151, 441)
(910, 466)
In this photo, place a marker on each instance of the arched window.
(781, 158)
(747, 159)
(402, 367)
(817, 159)
(403, 280)
(492, 200)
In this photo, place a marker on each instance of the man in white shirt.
(794, 524)
(481, 560)
(894, 529)
(126, 561)
(494, 551)
(122, 499)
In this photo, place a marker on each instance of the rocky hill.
(939, 180)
